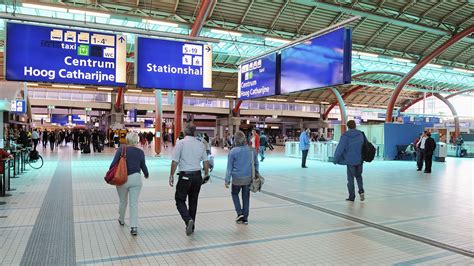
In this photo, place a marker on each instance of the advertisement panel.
(174, 65)
(61, 55)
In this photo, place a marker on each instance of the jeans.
(303, 159)
(245, 200)
(189, 187)
(458, 150)
(420, 158)
(131, 189)
(354, 171)
(261, 151)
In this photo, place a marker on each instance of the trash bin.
(441, 152)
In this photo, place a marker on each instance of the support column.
(457, 127)
(420, 65)
(158, 120)
(203, 13)
(342, 107)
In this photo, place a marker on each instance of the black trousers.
(45, 143)
(428, 162)
(188, 187)
(35, 143)
(303, 159)
(420, 158)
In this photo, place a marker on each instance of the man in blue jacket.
(349, 153)
(304, 146)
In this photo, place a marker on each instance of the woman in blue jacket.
(239, 170)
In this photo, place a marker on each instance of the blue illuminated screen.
(320, 62)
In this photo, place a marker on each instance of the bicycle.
(34, 159)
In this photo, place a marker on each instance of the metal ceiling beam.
(424, 14)
(342, 107)
(421, 64)
(396, 37)
(175, 8)
(306, 19)
(282, 9)
(421, 36)
(246, 12)
(376, 34)
(454, 11)
(377, 17)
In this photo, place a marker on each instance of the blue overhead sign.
(59, 55)
(164, 64)
(18, 106)
(258, 78)
(317, 63)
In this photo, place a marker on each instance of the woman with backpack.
(135, 158)
(241, 160)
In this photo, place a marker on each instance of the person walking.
(239, 171)
(304, 146)
(35, 137)
(459, 143)
(430, 146)
(255, 140)
(52, 140)
(421, 151)
(45, 138)
(207, 143)
(131, 189)
(187, 156)
(349, 153)
(263, 145)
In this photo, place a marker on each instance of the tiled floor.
(302, 218)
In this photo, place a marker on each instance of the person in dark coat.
(430, 146)
(45, 137)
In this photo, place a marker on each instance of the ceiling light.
(89, 13)
(105, 89)
(365, 54)
(301, 101)
(277, 100)
(76, 87)
(134, 91)
(325, 103)
(161, 23)
(270, 39)
(462, 70)
(197, 94)
(360, 105)
(32, 84)
(45, 7)
(59, 86)
(434, 65)
(224, 32)
(402, 60)
(230, 96)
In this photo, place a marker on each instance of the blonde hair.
(132, 138)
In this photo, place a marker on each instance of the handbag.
(118, 174)
(257, 180)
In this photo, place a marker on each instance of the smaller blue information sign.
(258, 78)
(18, 106)
(174, 65)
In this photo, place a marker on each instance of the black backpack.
(368, 150)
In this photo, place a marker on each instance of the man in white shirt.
(421, 148)
(187, 156)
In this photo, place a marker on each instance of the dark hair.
(190, 130)
(428, 134)
(351, 124)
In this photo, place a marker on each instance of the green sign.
(83, 50)
(88, 109)
(51, 106)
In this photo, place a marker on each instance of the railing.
(320, 151)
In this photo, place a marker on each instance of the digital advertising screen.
(317, 63)
(63, 55)
(174, 65)
(258, 78)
